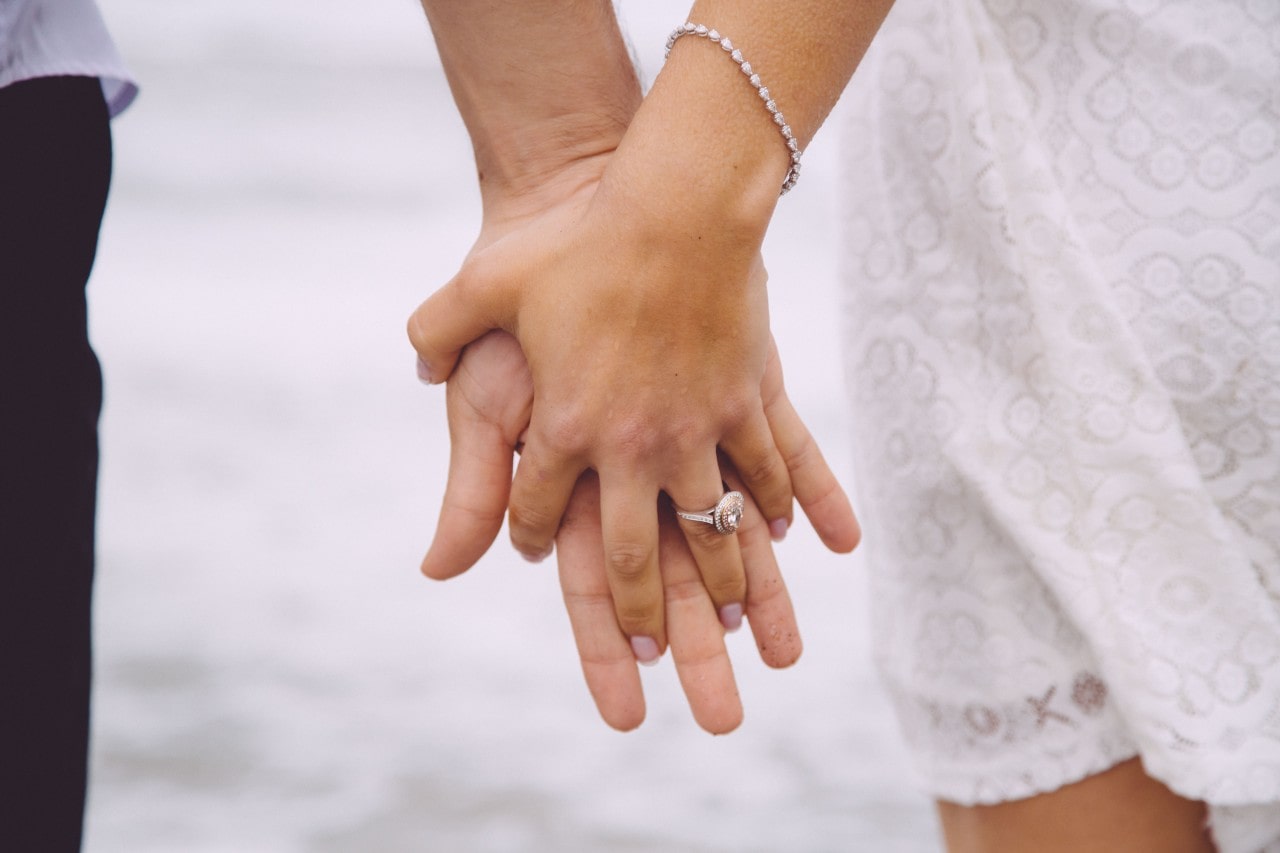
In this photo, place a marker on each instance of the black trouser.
(55, 165)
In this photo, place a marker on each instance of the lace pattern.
(1063, 315)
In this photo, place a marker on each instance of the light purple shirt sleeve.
(53, 38)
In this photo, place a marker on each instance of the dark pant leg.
(55, 166)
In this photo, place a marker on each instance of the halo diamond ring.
(725, 516)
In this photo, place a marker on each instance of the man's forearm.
(539, 84)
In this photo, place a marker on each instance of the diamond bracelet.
(701, 31)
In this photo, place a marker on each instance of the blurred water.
(273, 674)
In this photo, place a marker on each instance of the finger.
(629, 521)
(488, 404)
(815, 486)
(754, 453)
(696, 636)
(476, 300)
(608, 664)
(769, 610)
(475, 500)
(716, 554)
(539, 494)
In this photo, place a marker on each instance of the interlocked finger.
(629, 523)
(539, 494)
(608, 663)
(697, 638)
(710, 519)
(769, 610)
(754, 452)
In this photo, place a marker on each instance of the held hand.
(488, 399)
(647, 349)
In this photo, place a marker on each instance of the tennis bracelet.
(793, 147)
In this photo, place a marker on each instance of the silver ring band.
(725, 516)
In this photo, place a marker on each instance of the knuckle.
(527, 520)
(632, 439)
(727, 588)
(766, 469)
(474, 277)
(685, 590)
(737, 406)
(627, 562)
(564, 431)
(635, 618)
(802, 456)
(724, 581)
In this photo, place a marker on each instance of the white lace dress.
(1062, 249)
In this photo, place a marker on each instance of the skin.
(1121, 810)
(620, 262)
(642, 312)
(490, 394)
(488, 401)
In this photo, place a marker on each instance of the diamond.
(736, 56)
(755, 80)
(701, 29)
(728, 513)
(746, 67)
(726, 44)
(714, 35)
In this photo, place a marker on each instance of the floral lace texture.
(1063, 322)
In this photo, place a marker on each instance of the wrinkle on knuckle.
(481, 514)
(525, 517)
(627, 562)
(635, 619)
(683, 591)
(801, 457)
(767, 469)
(726, 588)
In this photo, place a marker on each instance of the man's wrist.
(540, 84)
(517, 156)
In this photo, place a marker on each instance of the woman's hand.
(647, 347)
(489, 399)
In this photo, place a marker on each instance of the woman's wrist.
(703, 157)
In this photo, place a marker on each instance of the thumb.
(475, 301)
(488, 403)
(475, 501)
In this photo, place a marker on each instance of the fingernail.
(645, 649)
(778, 529)
(538, 557)
(424, 372)
(731, 617)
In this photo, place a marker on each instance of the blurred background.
(273, 673)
